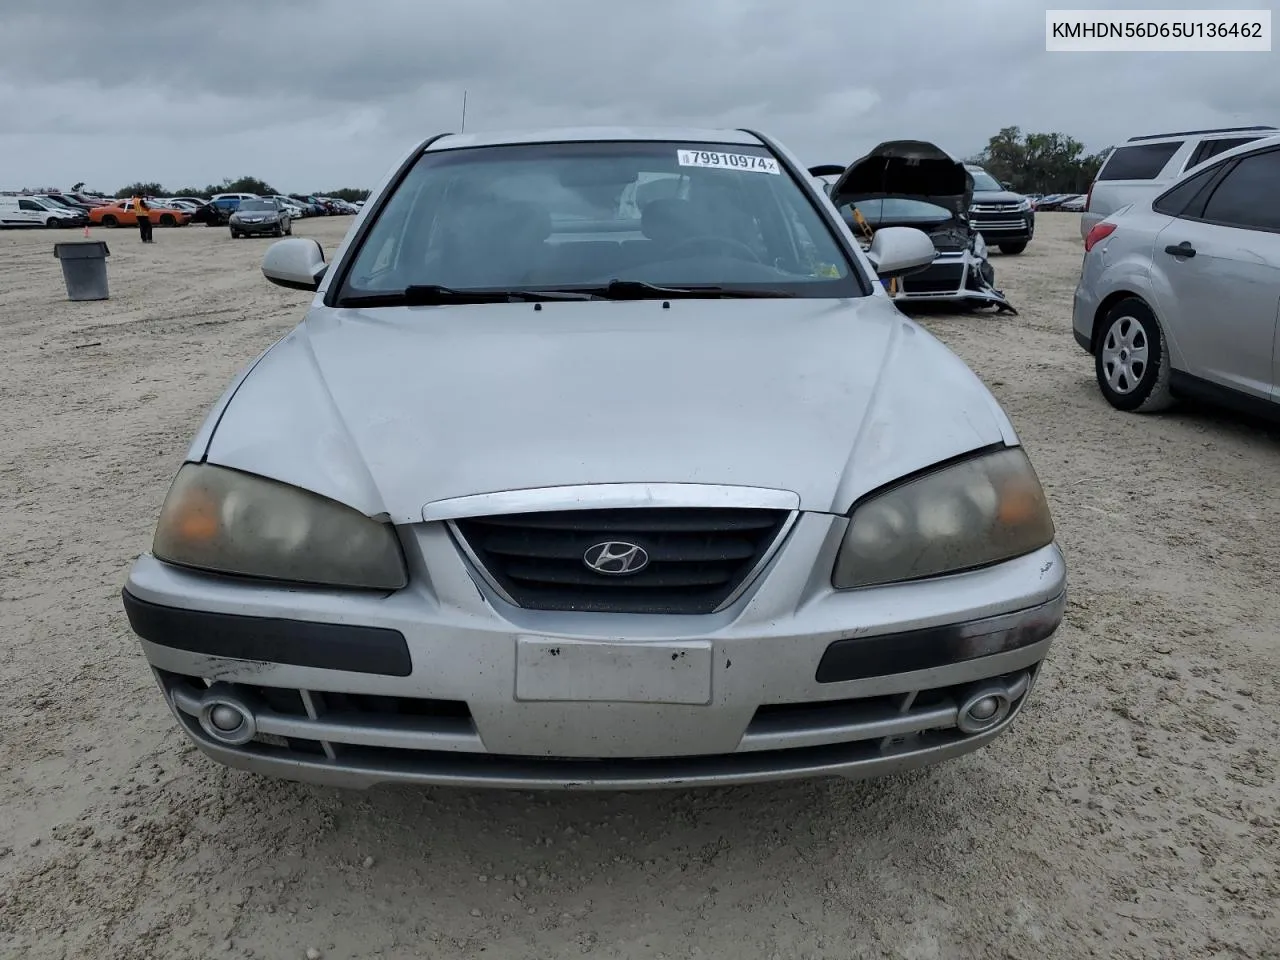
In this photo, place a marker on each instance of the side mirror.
(296, 263)
(899, 251)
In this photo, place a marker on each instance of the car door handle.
(1183, 249)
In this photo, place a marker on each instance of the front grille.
(697, 556)
(982, 223)
(993, 208)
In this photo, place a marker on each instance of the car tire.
(54, 222)
(288, 231)
(1130, 359)
(1013, 249)
(166, 220)
(235, 235)
(109, 221)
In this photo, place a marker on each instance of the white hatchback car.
(564, 483)
(1180, 294)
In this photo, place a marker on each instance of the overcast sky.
(321, 94)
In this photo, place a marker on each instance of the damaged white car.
(913, 183)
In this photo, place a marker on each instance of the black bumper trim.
(299, 643)
(858, 658)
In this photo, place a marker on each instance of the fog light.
(983, 709)
(227, 721)
(227, 718)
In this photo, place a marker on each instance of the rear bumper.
(445, 687)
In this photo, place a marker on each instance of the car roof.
(1216, 132)
(495, 138)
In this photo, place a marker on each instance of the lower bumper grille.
(687, 560)
(368, 738)
(939, 278)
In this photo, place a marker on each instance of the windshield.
(258, 205)
(898, 211)
(985, 181)
(578, 215)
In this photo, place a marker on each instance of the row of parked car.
(53, 209)
(1066, 202)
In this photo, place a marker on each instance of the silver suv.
(1145, 165)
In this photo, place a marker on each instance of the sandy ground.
(1132, 812)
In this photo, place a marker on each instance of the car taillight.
(1099, 233)
(1088, 196)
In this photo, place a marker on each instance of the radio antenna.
(464, 112)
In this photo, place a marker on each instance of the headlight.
(225, 521)
(970, 514)
(1023, 207)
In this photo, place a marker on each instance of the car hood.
(997, 196)
(910, 169)
(388, 410)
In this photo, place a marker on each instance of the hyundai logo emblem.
(616, 558)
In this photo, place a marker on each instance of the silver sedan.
(1178, 294)
(600, 460)
(257, 216)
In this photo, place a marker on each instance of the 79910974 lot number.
(728, 161)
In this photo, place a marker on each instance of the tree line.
(240, 185)
(1040, 163)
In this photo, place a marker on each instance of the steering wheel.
(728, 243)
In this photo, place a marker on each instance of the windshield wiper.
(639, 290)
(430, 295)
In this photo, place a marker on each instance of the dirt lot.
(1132, 812)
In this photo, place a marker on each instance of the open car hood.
(907, 169)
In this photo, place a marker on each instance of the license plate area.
(616, 671)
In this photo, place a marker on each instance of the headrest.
(668, 220)
(494, 220)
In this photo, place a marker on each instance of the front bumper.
(261, 227)
(953, 277)
(448, 684)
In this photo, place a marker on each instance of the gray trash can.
(84, 268)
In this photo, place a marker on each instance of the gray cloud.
(330, 92)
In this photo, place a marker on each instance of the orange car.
(120, 214)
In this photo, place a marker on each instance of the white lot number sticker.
(728, 161)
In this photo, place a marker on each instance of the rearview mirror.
(296, 263)
(899, 251)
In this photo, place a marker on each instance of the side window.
(1211, 148)
(1186, 198)
(1142, 161)
(1249, 195)
(30, 205)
